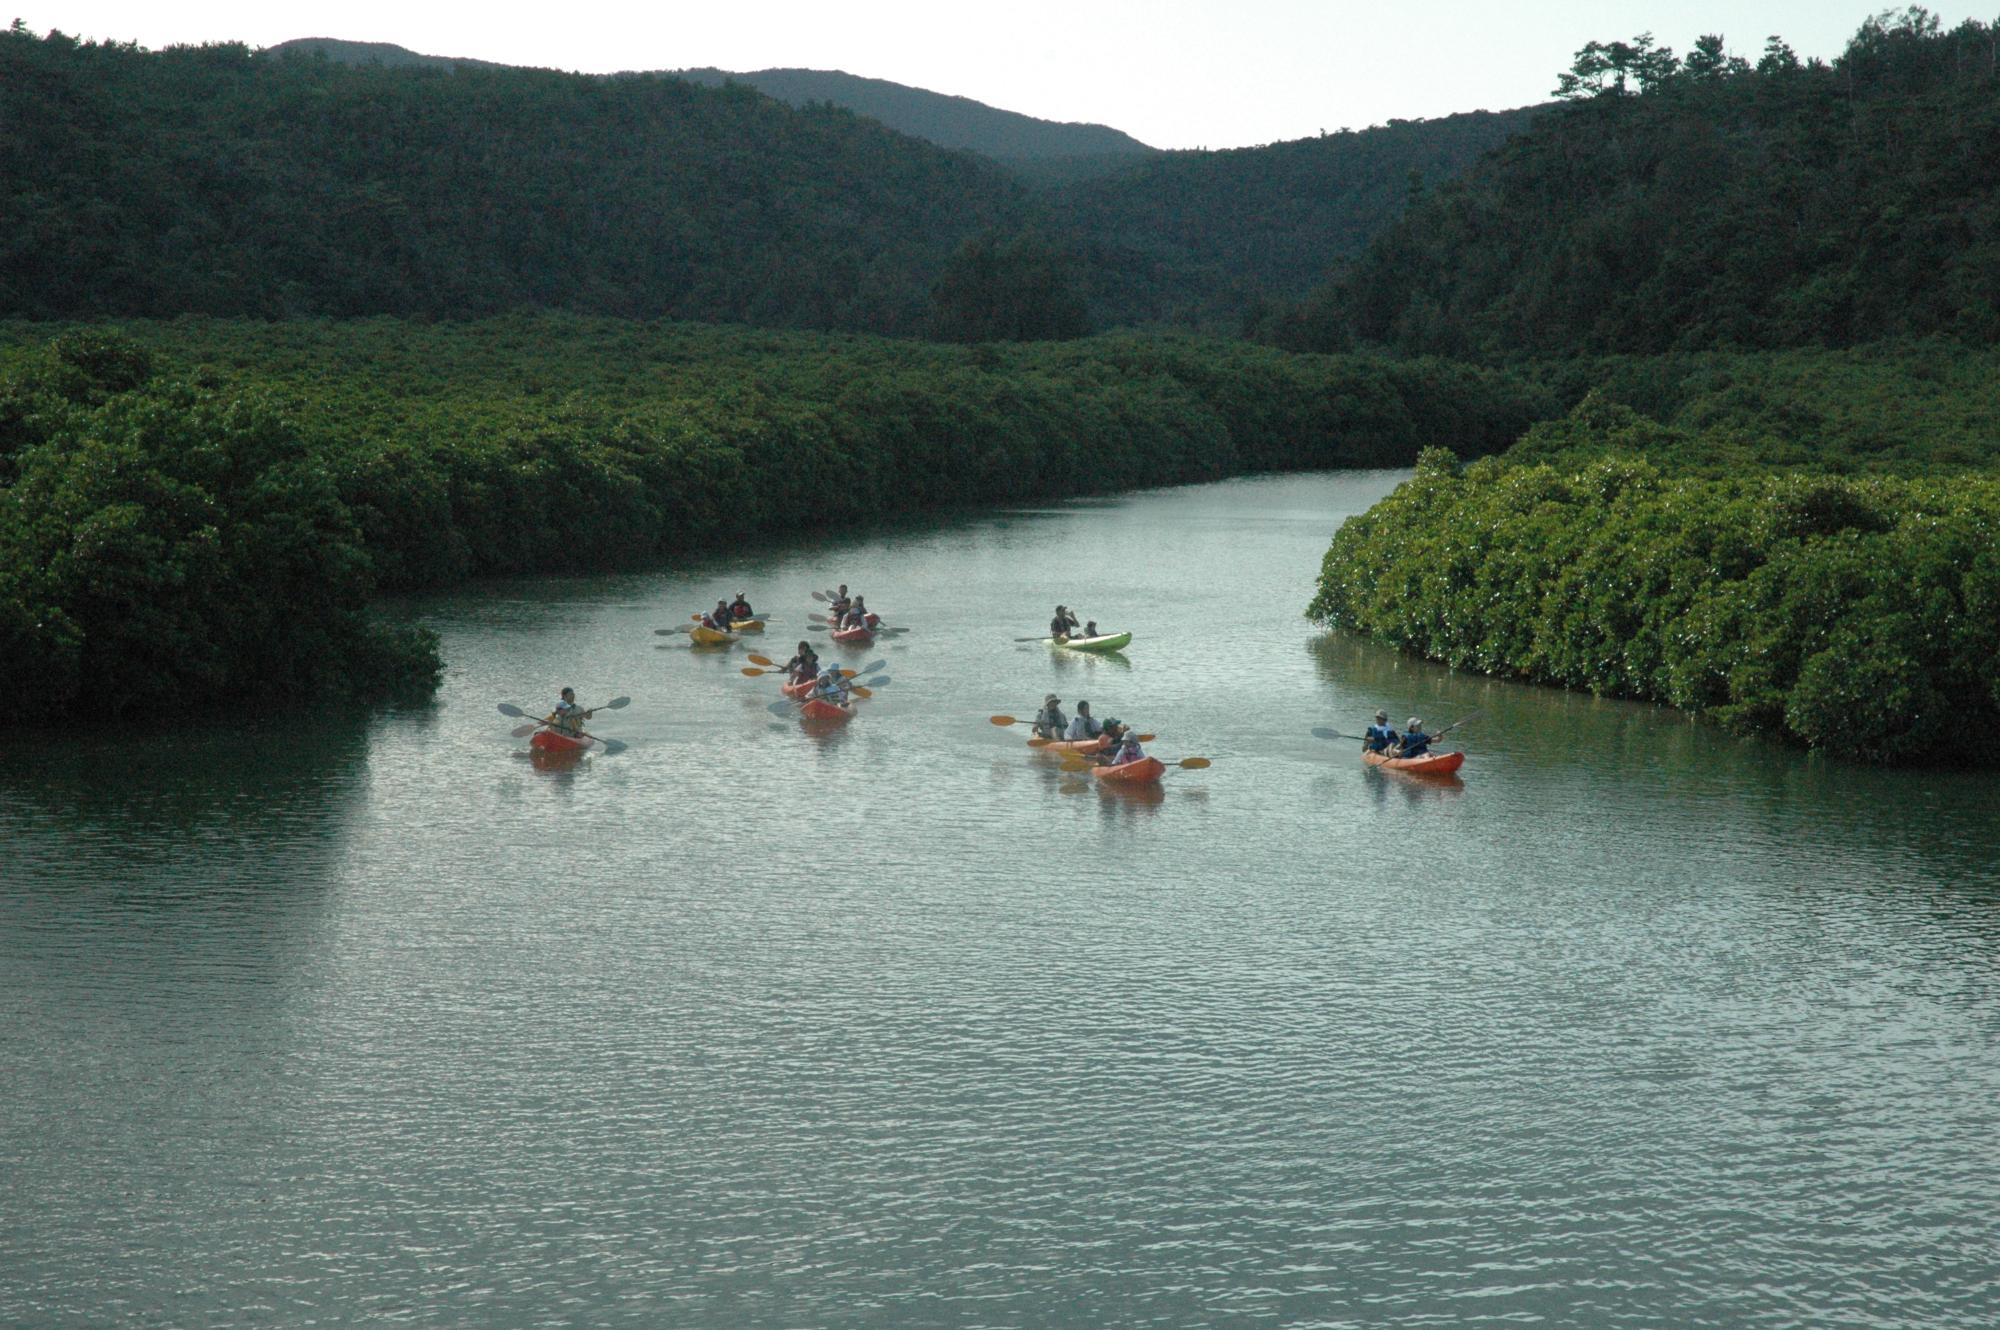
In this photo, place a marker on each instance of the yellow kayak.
(705, 636)
(748, 626)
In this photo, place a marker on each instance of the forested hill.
(206, 180)
(1205, 237)
(1707, 201)
(1033, 146)
(387, 54)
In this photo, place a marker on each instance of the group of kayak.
(1110, 744)
(848, 618)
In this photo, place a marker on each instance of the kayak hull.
(854, 636)
(1146, 771)
(1431, 764)
(747, 626)
(1097, 745)
(814, 708)
(705, 636)
(797, 690)
(1103, 642)
(548, 741)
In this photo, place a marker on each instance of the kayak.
(1102, 642)
(705, 636)
(797, 690)
(1144, 771)
(1431, 764)
(814, 708)
(1096, 745)
(854, 636)
(549, 741)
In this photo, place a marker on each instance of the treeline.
(1706, 201)
(202, 508)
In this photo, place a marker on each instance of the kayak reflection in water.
(568, 717)
(1381, 736)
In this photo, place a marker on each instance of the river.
(344, 1020)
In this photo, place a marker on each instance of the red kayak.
(1431, 764)
(815, 708)
(853, 635)
(1097, 745)
(1144, 771)
(797, 690)
(549, 741)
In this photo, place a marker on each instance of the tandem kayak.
(705, 636)
(1431, 764)
(854, 636)
(549, 741)
(1096, 745)
(814, 708)
(1144, 771)
(1102, 642)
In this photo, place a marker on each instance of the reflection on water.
(896, 1023)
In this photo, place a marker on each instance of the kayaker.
(860, 612)
(740, 609)
(719, 616)
(1084, 728)
(1060, 625)
(568, 717)
(1124, 745)
(839, 603)
(1415, 742)
(1090, 630)
(1379, 736)
(805, 665)
(1049, 721)
(831, 687)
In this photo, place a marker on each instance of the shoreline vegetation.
(195, 513)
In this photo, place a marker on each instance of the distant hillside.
(1706, 202)
(949, 122)
(1207, 237)
(386, 54)
(210, 180)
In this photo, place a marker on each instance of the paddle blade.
(782, 708)
(756, 659)
(613, 745)
(815, 627)
(1074, 763)
(1322, 732)
(509, 709)
(523, 731)
(879, 681)
(752, 672)
(1145, 738)
(1002, 720)
(1040, 743)
(615, 704)
(681, 631)
(1192, 763)
(873, 666)
(859, 691)
(822, 598)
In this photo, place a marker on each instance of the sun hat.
(1382, 716)
(1416, 723)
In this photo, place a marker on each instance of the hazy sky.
(1175, 73)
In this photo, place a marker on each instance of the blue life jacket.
(1416, 745)
(1378, 738)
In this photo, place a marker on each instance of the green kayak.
(1107, 642)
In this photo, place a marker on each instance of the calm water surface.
(372, 1020)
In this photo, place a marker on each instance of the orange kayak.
(815, 709)
(1144, 771)
(1096, 745)
(1431, 764)
(852, 635)
(549, 741)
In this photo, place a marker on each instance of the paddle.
(1324, 733)
(862, 689)
(1044, 743)
(681, 631)
(1189, 765)
(615, 704)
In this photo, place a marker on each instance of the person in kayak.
(1049, 722)
(1415, 742)
(1084, 728)
(805, 665)
(740, 609)
(838, 605)
(1381, 735)
(1124, 745)
(1090, 630)
(1060, 625)
(568, 717)
(832, 687)
(861, 612)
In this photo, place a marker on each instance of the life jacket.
(740, 610)
(1379, 738)
(1416, 745)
